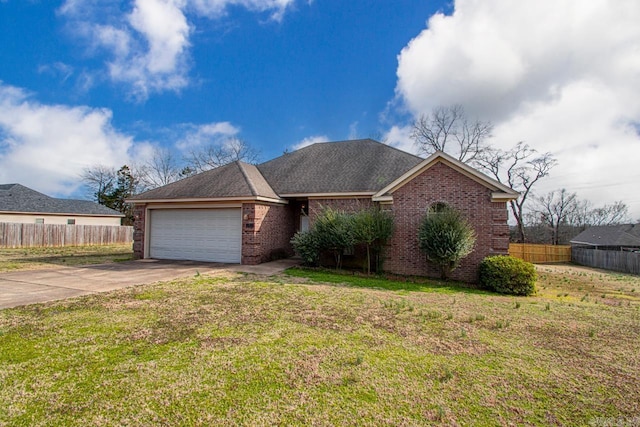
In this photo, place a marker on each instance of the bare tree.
(161, 169)
(215, 155)
(582, 214)
(98, 179)
(448, 129)
(111, 187)
(615, 213)
(555, 210)
(520, 168)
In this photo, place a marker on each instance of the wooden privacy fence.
(16, 235)
(540, 254)
(621, 261)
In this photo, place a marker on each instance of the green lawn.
(36, 258)
(316, 348)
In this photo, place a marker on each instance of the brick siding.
(441, 183)
(266, 232)
(139, 213)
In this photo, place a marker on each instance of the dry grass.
(38, 258)
(293, 350)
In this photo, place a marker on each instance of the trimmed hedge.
(508, 275)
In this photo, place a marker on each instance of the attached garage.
(213, 235)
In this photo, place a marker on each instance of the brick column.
(139, 218)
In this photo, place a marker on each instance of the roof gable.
(500, 191)
(18, 198)
(363, 166)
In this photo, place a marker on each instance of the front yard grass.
(318, 348)
(37, 258)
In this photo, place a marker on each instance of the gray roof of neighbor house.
(237, 179)
(610, 235)
(20, 199)
(337, 167)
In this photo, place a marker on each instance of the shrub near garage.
(508, 275)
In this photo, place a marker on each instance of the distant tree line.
(559, 215)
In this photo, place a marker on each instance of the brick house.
(241, 213)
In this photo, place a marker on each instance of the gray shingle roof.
(337, 167)
(333, 167)
(237, 179)
(610, 235)
(18, 198)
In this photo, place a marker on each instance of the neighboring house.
(24, 205)
(242, 213)
(610, 237)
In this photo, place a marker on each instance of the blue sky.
(84, 82)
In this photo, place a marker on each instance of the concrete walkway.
(35, 286)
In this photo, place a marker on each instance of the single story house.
(610, 237)
(21, 204)
(242, 213)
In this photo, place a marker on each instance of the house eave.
(577, 242)
(503, 197)
(210, 200)
(383, 199)
(356, 194)
(62, 214)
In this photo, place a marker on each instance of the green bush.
(508, 275)
(372, 228)
(334, 231)
(446, 238)
(306, 244)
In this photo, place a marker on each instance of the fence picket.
(621, 261)
(18, 235)
(540, 254)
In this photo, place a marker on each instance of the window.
(438, 207)
(39, 220)
(71, 221)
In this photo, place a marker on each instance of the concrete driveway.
(34, 286)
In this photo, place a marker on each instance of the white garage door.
(196, 234)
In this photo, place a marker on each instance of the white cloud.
(400, 137)
(218, 8)
(561, 75)
(64, 71)
(195, 136)
(149, 45)
(353, 130)
(46, 147)
(310, 140)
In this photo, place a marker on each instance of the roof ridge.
(252, 187)
(396, 148)
(631, 235)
